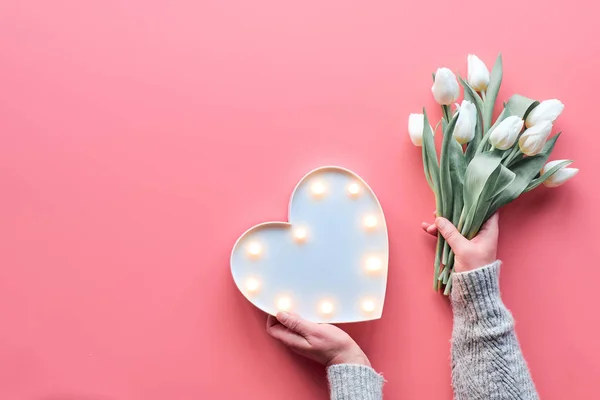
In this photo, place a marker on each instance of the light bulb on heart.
(328, 262)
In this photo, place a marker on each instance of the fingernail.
(440, 222)
(282, 315)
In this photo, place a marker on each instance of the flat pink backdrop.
(140, 138)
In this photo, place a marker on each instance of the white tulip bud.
(416, 124)
(547, 110)
(533, 139)
(505, 134)
(560, 176)
(445, 87)
(478, 75)
(464, 131)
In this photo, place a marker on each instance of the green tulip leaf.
(430, 164)
(480, 179)
(445, 178)
(525, 171)
(458, 167)
(492, 93)
(521, 105)
(503, 179)
(473, 97)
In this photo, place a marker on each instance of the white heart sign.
(329, 262)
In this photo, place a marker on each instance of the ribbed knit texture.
(354, 382)
(487, 362)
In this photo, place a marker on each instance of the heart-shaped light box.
(329, 262)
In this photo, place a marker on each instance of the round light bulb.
(284, 303)
(252, 285)
(300, 234)
(254, 249)
(354, 189)
(368, 305)
(326, 307)
(374, 264)
(317, 189)
(370, 221)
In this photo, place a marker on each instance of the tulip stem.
(437, 262)
(448, 286)
(446, 113)
(482, 95)
(512, 156)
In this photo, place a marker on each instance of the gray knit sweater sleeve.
(487, 362)
(354, 382)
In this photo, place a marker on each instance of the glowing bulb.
(370, 221)
(368, 305)
(317, 189)
(373, 264)
(254, 249)
(300, 234)
(326, 308)
(284, 303)
(252, 285)
(354, 189)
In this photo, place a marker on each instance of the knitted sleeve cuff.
(354, 382)
(476, 294)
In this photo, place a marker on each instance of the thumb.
(296, 324)
(450, 233)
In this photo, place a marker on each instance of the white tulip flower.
(506, 133)
(533, 139)
(547, 110)
(560, 176)
(478, 75)
(464, 131)
(416, 123)
(445, 87)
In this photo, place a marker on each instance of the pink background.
(140, 138)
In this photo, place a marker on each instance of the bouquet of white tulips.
(483, 164)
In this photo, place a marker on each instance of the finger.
(287, 337)
(451, 234)
(271, 320)
(297, 324)
(429, 228)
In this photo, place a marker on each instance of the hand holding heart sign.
(329, 262)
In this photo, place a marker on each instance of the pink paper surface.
(139, 139)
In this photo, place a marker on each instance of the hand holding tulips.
(482, 166)
(469, 254)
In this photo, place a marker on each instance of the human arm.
(487, 362)
(349, 371)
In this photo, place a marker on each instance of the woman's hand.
(468, 254)
(323, 343)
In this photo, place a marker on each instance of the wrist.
(353, 355)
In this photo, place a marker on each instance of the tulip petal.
(415, 128)
(560, 177)
(547, 172)
(466, 123)
(478, 75)
(445, 87)
(547, 110)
